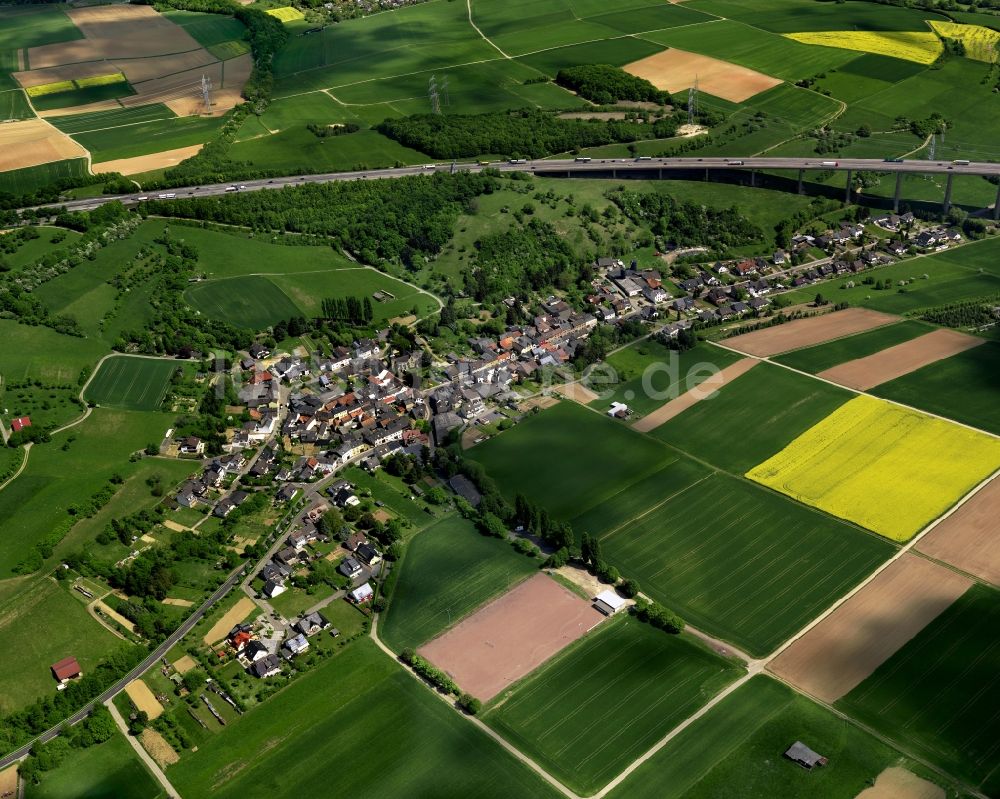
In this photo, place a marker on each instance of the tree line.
(604, 84)
(516, 134)
(348, 309)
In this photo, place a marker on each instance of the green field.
(752, 47)
(207, 29)
(88, 94)
(826, 356)
(748, 420)
(735, 750)
(110, 770)
(585, 458)
(56, 478)
(31, 178)
(789, 16)
(963, 387)
(598, 705)
(962, 273)
(39, 353)
(741, 562)
(650, 374)
(290, 149)
(360, 717)
(251, 302)
(449, 570)
(33, 26)
(102, 120)
(940, 693)
(135, 384)
(147, 137)
(25, 656)
(14, 105)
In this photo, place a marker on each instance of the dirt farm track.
(511, 636)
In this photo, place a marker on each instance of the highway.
(564, 168)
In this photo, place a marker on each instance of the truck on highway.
(582, 159)
(168, 196)
(734, 162)
(961, 162)
(830, 163)
(644, 158)
(893, 160)
(518, 161)
(231, 188)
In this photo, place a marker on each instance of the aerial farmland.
(467, 398)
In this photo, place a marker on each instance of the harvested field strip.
(839, 653)
(873, 370)
(941, 692)
(677, 70)
(833, 353)
(741, 563)
(921, 47)
(33, 142)
(144, 699)
(808, 332)
(898, 783)
(511, 636)
(603, 701)
(970, 537)
(237, 613)
(706, 390)
(887, 468)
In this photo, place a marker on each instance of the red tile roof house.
(20, 423)
(66, 669)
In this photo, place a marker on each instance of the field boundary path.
(151, 764)
(475, 27)
(24, 465)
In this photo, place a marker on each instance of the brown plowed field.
(836, 655)
(873, 370)
(144, 699)
(511, 636)
(234, 616)
(675, 70)
(898, 783)
(146, 163)
(703, 390)
(808, 332)
(970, 537)
(33, 142)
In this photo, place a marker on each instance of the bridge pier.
(899, 191)
(614, 174)
(802, 173)
(847, 193)
(660, 173)
(996, 206)
(706, 174)
(753, 178)
(946, 205)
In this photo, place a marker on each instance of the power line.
(432, 93)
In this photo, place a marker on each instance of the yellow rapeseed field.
(923, 47)
(886, 468)
(100, 80)
(50, 88)
(980, 43)
(286, 13)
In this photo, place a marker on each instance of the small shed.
(608, 602)
(801, 754)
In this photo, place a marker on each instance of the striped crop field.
(137, 384)
(887, 468)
